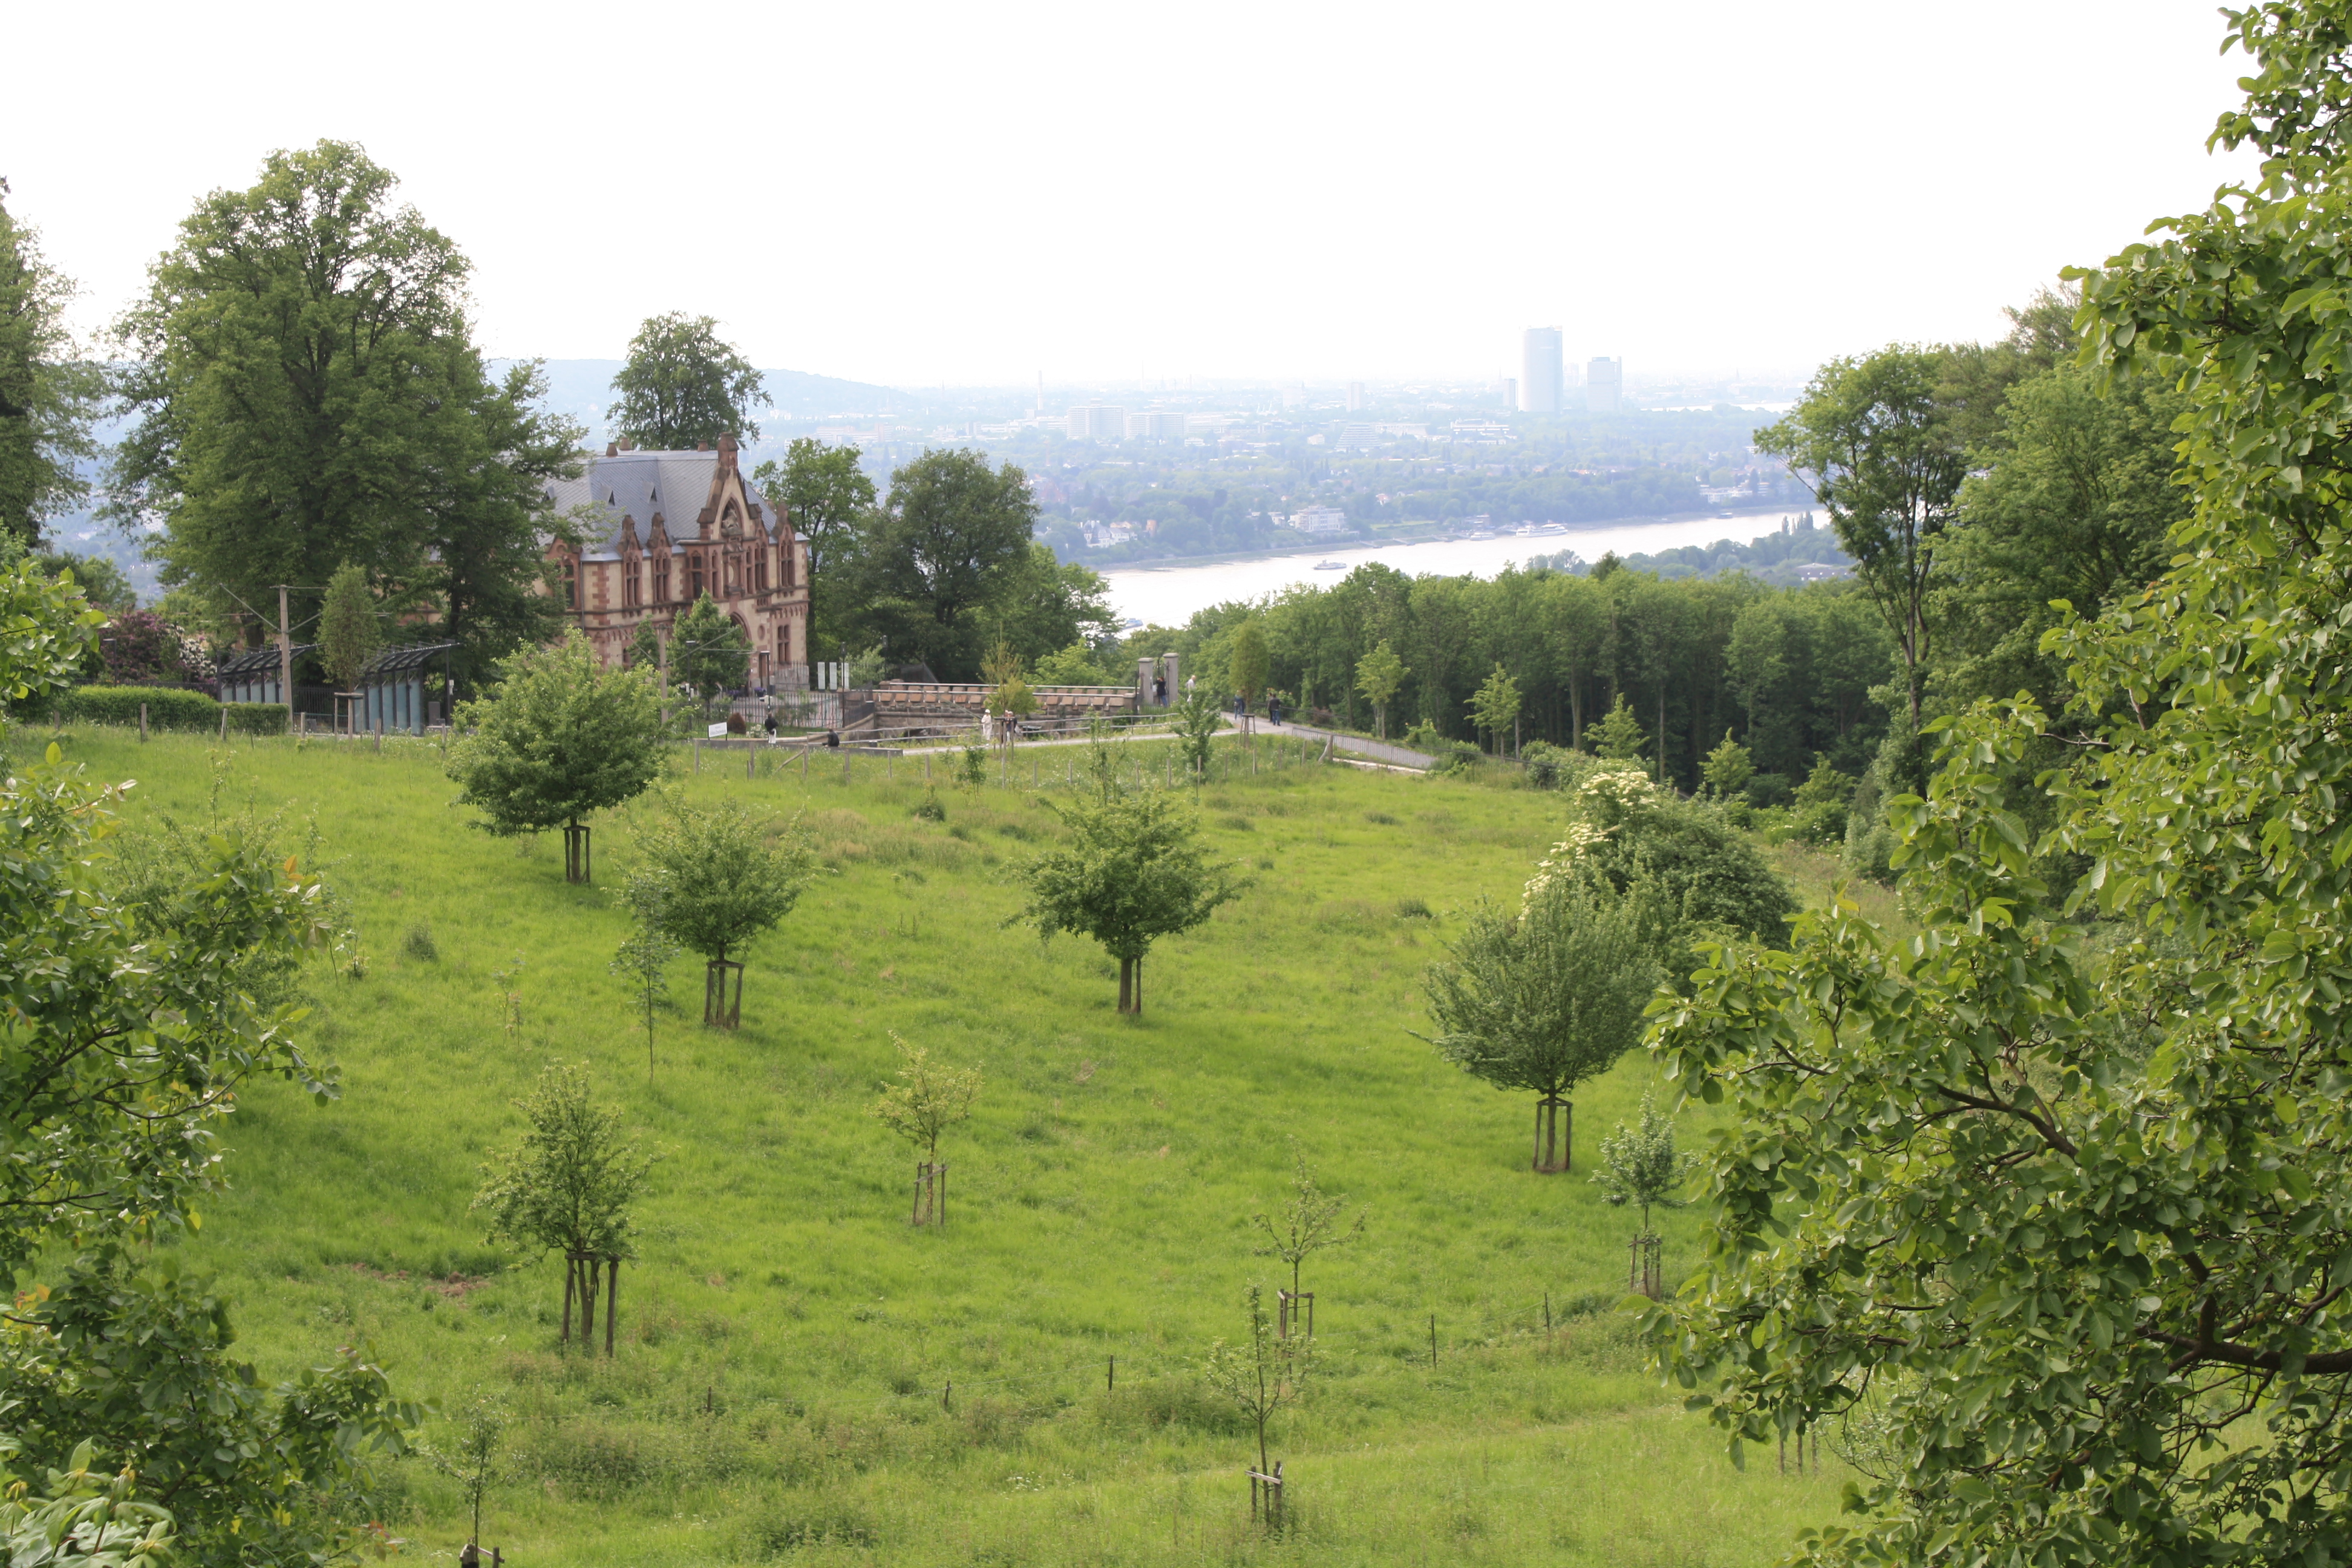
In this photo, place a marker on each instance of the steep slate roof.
(638, 485)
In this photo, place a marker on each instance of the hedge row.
(168, 708)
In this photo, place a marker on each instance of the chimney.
(702, 445)
(612, 449)
(727, 452)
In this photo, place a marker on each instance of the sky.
(922, 195)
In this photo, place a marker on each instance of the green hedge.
(168, 708)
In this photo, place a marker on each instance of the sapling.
(1262, 1373)
(929, 1098)
(644, 958)
(472, 1458)
(1308, 1224)
(1640, 1166)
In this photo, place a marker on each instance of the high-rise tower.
(1540, 372)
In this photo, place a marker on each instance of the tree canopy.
(708, 653)
(2058, 1192)
(49, 393)
(1548, 996)
(947, 538)
(306, 392)
(559, 739)
(831, 501)
(682, 385)
(1131, 870)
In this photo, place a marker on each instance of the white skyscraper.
(1604, 385)
(1097, 422)
(1540, 371)
(1356, 398)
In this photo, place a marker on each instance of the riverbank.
(1170, 593)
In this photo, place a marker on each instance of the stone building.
(666, 527)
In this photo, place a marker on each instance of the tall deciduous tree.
(2071, 1203)
(831, 501)
(569, 1186)
(1880, 446)
(308, 393)
(49, 392)
(682, 385)
(945, 540)
(559, 739)
(1132, 871)
(1544, 997)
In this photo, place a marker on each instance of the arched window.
(661, 577)
(572, 582)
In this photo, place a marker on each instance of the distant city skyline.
(1729, 213)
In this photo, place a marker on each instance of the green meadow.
(803, 1377)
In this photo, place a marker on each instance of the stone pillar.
(1175, 685)
(1143, 672)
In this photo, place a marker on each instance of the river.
(1168, 595)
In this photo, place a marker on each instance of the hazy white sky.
(962, 193)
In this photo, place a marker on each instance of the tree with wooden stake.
(1260, 1375)
(715, 878)
(1196, 720)
(1131, 873)
(1546, 998)
(1378, 674)
(568, 1187)
(471, 1458)
(644, 958)
(1308, 1222)
(1639, 1166)
(929, 1098)
(558, 740)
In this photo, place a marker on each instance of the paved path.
(1383, 752)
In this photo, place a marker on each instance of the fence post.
(1432, 1339)
(379, 727)
(224, 724)
(142, 724)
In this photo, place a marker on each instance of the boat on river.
(1331, 566)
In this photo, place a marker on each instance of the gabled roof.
(674, 485)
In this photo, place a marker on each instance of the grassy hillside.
(788, 1342)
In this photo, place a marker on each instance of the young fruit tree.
(1378, 674)
(559, 738)
(644, 959)
(2069, 1169)
(569, 1186)
(1640, 1166)
(1543, 999)
(714, 878)
(1308, 1224)
(1131, 871)
(1196, 720)
(471, 1458)
(1262, 1373)
(929, 1098)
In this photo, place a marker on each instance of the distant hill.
(582, 388)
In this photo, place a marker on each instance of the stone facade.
(666, 527)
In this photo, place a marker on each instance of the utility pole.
(285, 659)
